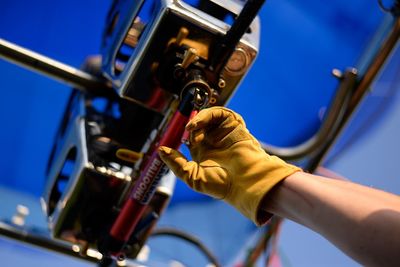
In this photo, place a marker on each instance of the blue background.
(282, 100)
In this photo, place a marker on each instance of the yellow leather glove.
(228, 162)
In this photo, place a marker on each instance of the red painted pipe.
(145, 186)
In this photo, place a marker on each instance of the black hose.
(189, 238)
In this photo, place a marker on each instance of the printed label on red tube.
(146, 186)
(155, 169)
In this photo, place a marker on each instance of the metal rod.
(376, 65)
(40, 240)
(321, 142)
(361, 88)
(53, 69)
(228, 42)
(335, 114)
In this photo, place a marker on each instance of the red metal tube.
(145, 186)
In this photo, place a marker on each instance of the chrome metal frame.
(169, 16)
(53, 69)
(353, 86)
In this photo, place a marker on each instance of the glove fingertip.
(191, 125)
(166, 155)
(163, 150)
(171, 157)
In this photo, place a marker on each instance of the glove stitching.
(229, 184)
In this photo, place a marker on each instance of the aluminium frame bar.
(59, 71)
(342, 107)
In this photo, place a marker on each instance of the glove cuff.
(260, 216)
(249, 196)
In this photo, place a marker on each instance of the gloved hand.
(228, 162)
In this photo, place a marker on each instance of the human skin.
(361, 221)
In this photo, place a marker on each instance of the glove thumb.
(173, 159)
(209, 179)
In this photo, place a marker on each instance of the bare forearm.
(363, 222)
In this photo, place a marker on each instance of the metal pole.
(59, 71)
(340, 113)
(40, 240)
